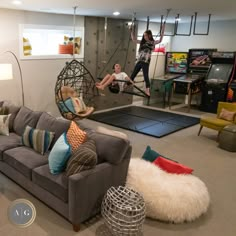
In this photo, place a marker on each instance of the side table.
(123, 210)
(227, 138)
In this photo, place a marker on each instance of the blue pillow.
(59, 155)
(149, 154)
(67, 106)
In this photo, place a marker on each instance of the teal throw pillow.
(59, 155)
(67, 106)
(149, 154)
(39, 140)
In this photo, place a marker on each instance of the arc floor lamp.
(6, 73)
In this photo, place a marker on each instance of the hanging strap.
(74, 31)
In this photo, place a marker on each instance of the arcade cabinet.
(231, 95)
(175, 66)
(216, 84)
(199, 61)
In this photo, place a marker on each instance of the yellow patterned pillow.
(75, 136)
(26, 47)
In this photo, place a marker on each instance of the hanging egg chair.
(75, 91)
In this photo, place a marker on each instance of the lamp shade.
(6, 72)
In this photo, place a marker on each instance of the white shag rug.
(168, 197)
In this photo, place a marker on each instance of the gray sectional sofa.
(77, 197)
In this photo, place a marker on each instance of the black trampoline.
(146, 121)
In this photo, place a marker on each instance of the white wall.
(222, 35)
(39, 76)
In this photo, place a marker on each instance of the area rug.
(146, 121)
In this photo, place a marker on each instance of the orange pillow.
(75, 136)
(227, 115)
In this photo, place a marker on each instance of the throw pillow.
(78, 104)
(227, 115)
(59, 155)
(4, 110)
(149, 154)
(171, 166)
(75, 136)
(39, 140)
(114, 133)
(27, 48)
(84, 158)
(67, 106)
(4, 124)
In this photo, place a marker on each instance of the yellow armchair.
(217, 123)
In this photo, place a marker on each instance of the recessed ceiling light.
(17, 2)
(116, 13)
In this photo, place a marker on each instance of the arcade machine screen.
(176, 62)
(219, 73)
(199, 60)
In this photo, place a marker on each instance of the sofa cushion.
(24, 159)
(25, 117)
(50, 123)
(55, 184)
(8, 142)
(13, 110)
(110, 148)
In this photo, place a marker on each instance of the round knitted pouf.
(123, 210)
(169, 197)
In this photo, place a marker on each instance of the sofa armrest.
(87, 188)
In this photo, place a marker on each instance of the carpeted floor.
(147, 121)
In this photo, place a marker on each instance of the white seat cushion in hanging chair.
(87, 112)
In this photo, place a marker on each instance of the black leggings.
(145, 68)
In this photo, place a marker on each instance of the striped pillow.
(84, 158)
(75, 136)
(37, 139)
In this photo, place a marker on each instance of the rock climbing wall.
(105, 47)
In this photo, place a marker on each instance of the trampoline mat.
(146, 121)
